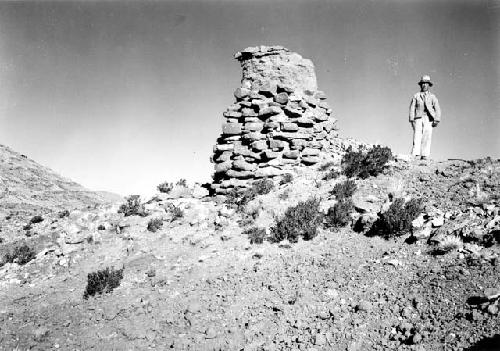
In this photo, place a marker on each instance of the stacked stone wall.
(279, 120)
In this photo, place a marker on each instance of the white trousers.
(422, 135)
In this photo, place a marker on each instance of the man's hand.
(435, 123)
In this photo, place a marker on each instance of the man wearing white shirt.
(425, 114)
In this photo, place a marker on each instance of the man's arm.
(412, 109)
(437, 108)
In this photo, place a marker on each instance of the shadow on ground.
(488, 344)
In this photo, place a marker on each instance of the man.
(425, 114)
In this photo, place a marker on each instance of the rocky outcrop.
(279, 120)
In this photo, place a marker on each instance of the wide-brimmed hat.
(425, 79)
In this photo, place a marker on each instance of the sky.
(121, 96)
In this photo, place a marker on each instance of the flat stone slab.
(268, 172)
(289, 136)
(243, 165)
(270, 110)
(254, 127)
(223, 167)
(239, 174)
(259, 145)
(292, 154)
(308, 151)
(289, 127)
(310, 160)
(231, 128)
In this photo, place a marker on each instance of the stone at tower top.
(263, 65)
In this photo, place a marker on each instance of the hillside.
(198, 283)
(28, 189)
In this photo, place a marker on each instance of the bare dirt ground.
(198, 284)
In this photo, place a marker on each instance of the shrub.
(103, 281)
(62, 214)
(285, 194)
(298, 221)
(175, 211)
(287, 178)
(339, 215)
(133, 207)
(255, 234)
(363, 165)
(20, 255)
(326, 166)
(154, 224)
(165, 187)
(240, 198)
(449, 244)
(36, 219)
(233, 198)
(344, 190)
(261, 187)
(332, 174)
(181, 182)
(397, 219)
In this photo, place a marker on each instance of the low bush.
(255, 234)
(165, 187)
(285, 194)
(298, 221)
(103, 281)
(155, 224)
(240, 198)
(397, 219)
(326, 166)
(36, 219)
(365, 164)
(287, 178)
(63, 213)
(133, 207)
(332, 174)
(344, 189)
(233, 198)
(449, 244)
(181, 182)
(175, 211)
(339, 215)
(262, 187)
(20, 254)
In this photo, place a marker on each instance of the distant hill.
(28, 188)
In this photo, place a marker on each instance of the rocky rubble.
(279, 120)
(198, 284)
(463, 204)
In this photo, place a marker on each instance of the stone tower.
(279, 121)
